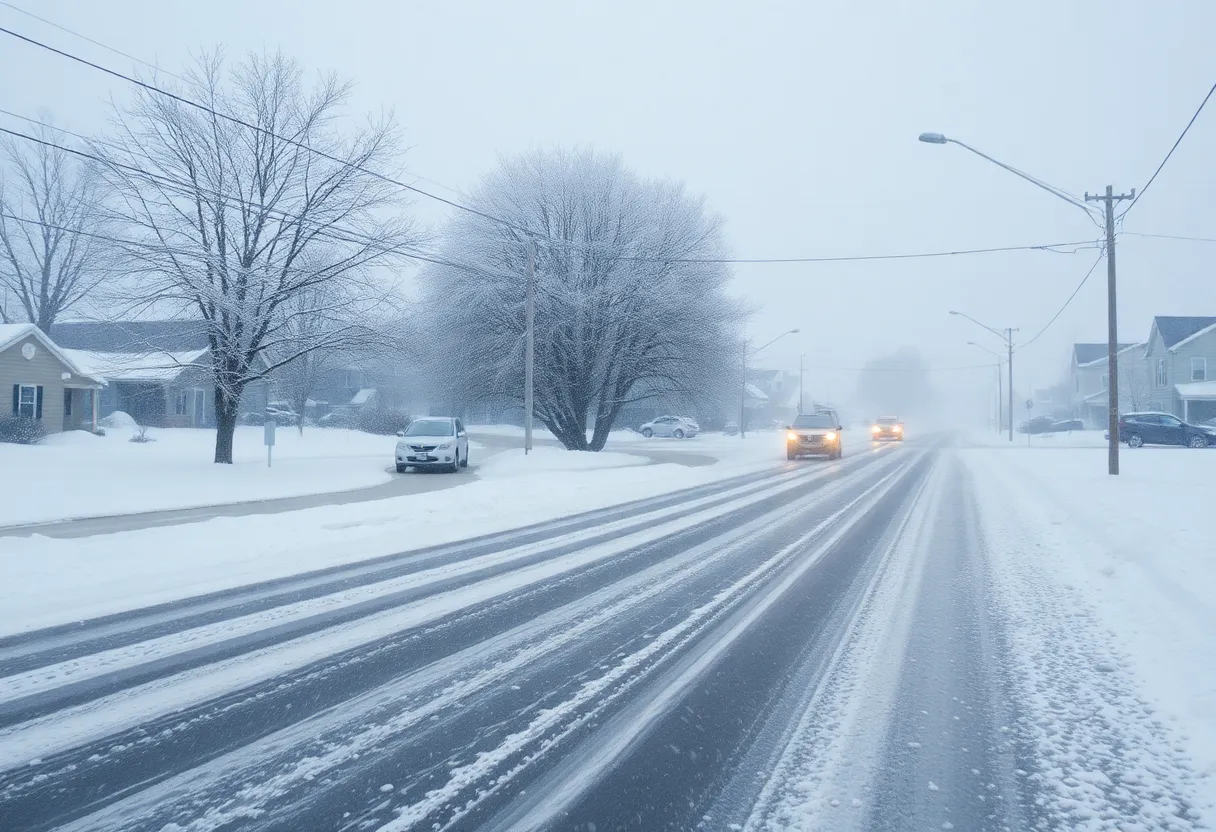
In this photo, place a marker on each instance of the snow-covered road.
(840, 645)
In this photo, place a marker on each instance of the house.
(47, 385)
(1181, 362)
(1089, 381)
(159, 372)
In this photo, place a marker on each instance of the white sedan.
(672, 426)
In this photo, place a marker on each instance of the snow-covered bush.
(141, 435)
(21, 431)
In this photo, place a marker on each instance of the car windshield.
(815, 420)
(430, 427)
(887, 421)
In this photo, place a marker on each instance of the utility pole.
(1009, 345)
(743, 392)
(1112, 325)
(529, 344)
(800, 372)
(1000, 397)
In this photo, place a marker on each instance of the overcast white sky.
(797, 120)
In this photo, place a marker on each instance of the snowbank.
(77, 474)
(45, 581)
(514, 462)
(1135, 552)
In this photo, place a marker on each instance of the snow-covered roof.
(363, 396)
(129, 366)
(1087, 355)
(1196, 334)
(755, 392)
(12, 333)
(1197, 390)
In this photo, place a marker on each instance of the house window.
(1199, 369)
(1106, 381)
(1077, 382)
(179, 403)
(67, 401)
(1160, 379)
(27, 401)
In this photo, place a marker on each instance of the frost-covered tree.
(630, 303)
(52, 233)
(238, 222)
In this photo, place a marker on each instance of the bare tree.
(50, 208)
(235, 223)
(1134, 388)
(628, 305)
(322, 328)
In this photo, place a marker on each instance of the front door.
(199, 417)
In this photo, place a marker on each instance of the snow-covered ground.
(1130, 561)
(46, 581)
(77, 474)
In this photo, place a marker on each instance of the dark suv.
(1138, 429)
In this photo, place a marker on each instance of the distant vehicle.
(672, 426)
(814, 434)
(1067, 425)
(1153, 428)
(887, 429)
(730, 428)
(1039, 424)
(281, 414)
(433, 442)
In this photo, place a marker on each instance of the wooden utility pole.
(529, 344)
(1009, 345)
(1112, 325)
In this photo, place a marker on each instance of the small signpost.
(1030, 404)
(268, 439)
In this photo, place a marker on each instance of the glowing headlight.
(875, 429)
(899, 429)
(831, 436)
(791, 437)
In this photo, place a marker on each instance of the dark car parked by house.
(1152, 428)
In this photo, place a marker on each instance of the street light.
(1000, 393)
(1007, 337)
(743, 390)
(1112, 327)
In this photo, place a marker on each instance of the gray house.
(48, 387)
(157, 371)
(1181, 361)
(1089, 381)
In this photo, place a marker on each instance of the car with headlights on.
(433, 442)
(887, 429)
(814, 434)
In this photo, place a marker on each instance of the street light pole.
(529, 344)
(1112, 340)
(1000, 384)
(1007, 337)
(800, 372)
(743, 386)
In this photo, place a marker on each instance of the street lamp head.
(952, 312)
(794, 331)
(933, 138)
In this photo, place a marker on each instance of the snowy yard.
(77, 474)
(1136, 554)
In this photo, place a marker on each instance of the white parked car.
(672, 426)
(433, 442)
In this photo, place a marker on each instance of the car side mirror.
(789, 427)
(840, 427)
(401, 433)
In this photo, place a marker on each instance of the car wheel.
(677, 433)
(647, 432)
(1135, 441)
(455, 469)
(1198, 441)
(400, 469)
(464, 463)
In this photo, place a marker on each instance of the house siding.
(1161, 397)
(1202, 347)
(44, 370)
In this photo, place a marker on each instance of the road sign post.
(268, 438)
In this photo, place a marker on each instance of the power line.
(1171, 237)
(186, 189)
(1181, 136)
(241, 122)
(1060, 311)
